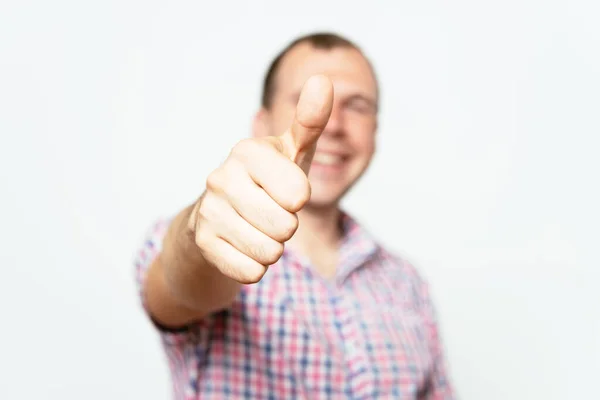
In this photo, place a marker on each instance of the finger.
(268, 168)
(246, 238)
(261, 211)
(312, 114)
(232, 262)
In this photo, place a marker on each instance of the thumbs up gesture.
(248, 211)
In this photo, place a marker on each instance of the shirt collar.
(357, 247)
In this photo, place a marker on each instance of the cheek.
(362, 135)
(364, 145)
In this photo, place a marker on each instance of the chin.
(325, 196)
(327, 191)
(322, 203)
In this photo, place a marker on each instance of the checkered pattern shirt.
(369, 333)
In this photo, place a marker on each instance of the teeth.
(327, 159)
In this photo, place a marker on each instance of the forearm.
(181, 286)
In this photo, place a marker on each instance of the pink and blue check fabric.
(370, 333)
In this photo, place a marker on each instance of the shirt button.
(351, 347)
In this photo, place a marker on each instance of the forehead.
(348, 69)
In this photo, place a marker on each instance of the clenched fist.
(248, 210)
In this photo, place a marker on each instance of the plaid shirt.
(370, 333)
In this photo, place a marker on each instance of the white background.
(112, 113)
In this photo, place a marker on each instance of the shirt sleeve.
(150, 248)
(439, 386)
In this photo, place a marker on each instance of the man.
(329, 315)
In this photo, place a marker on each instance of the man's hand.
(248, 210)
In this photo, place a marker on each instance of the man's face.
(347, 144)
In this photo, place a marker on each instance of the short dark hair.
(319, 40)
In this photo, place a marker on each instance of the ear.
(260, 124)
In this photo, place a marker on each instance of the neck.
(319, 225)
(318, 236)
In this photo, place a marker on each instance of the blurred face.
(347, 144)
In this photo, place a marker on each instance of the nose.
(336, 122)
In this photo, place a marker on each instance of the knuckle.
(251, 275)
(202, 238)
(225, 179)
(299, 192)
(244, 148)
(284, 227)
(207, 209)
(214, 181)
(268, 253)
(275, 253)
(287, 228)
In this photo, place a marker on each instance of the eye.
(361, 105)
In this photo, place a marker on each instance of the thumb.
(312, 114)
